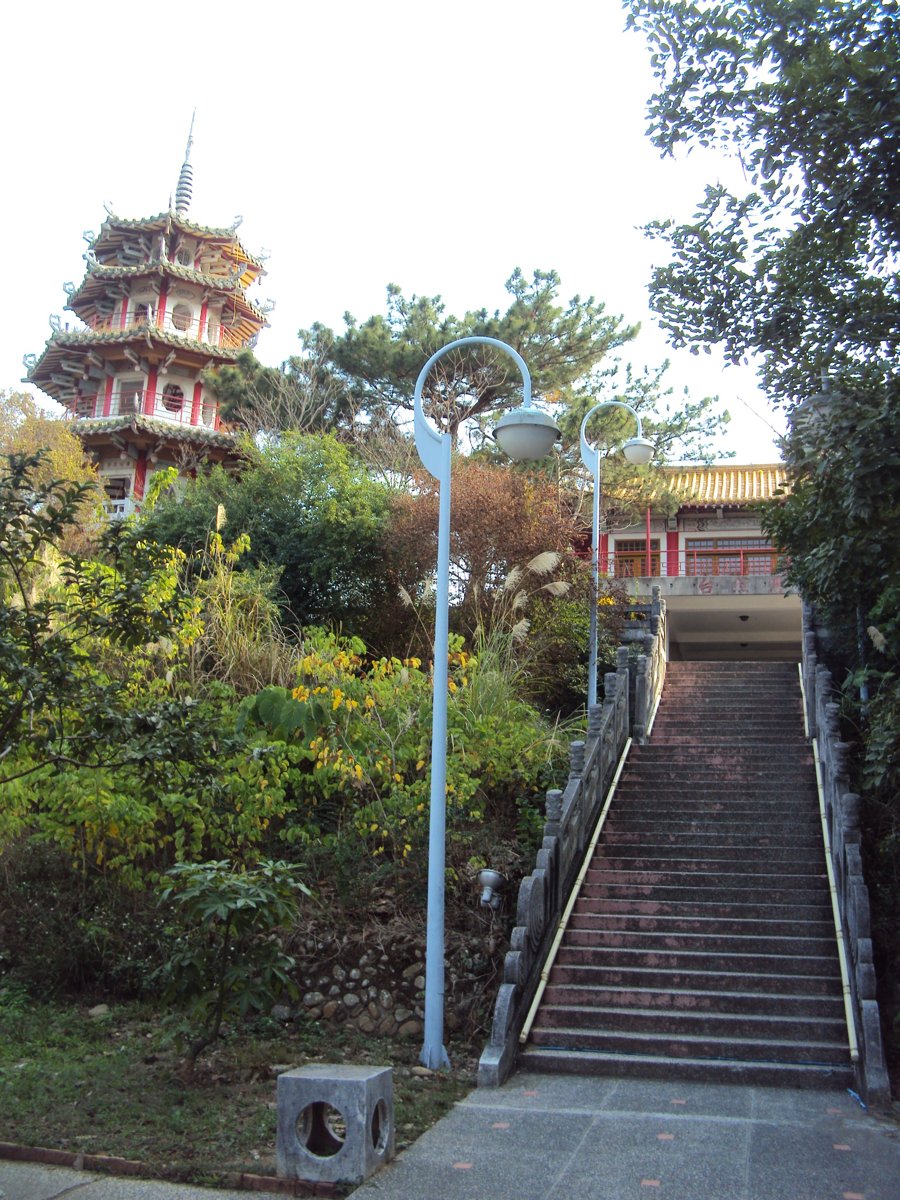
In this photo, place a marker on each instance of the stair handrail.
(572, 815)
(841, 823)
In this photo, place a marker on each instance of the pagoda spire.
(186, 178)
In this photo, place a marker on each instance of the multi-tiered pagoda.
(163, 301)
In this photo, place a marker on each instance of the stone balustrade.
(842, 815)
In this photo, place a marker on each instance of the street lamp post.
(638, 450)
(524, 433)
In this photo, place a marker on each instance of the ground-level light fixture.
(491, 883)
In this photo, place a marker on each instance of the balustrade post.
(576, 760)
(553, 810)
(639, 730)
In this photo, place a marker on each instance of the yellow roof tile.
(724, 483)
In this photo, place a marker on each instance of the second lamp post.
(638, 450)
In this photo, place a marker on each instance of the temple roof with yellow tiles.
(726, 484)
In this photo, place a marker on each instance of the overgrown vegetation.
(158, 716)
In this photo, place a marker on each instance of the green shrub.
(227, 960)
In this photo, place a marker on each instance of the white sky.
(435, 146)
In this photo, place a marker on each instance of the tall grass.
(243, 642)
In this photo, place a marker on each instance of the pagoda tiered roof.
(143, 430)
(114, 230)
(99, 274)
(53, 360)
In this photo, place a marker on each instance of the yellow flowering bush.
(359, 731)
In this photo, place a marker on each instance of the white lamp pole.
(638, 450)
(525, 433)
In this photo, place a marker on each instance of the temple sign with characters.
(163, 300)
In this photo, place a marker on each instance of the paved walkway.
(545, 1137)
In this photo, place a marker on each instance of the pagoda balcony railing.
(159, 404)
(632, 564)
(208, 333)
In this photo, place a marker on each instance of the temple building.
(163, 301)
(718, 572)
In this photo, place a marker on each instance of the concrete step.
(705, 857)
(663, 804)
(714, 893)
(694, 763)
(696, 979)
(625, 842)
(731, 820)
(723, 1069)
(734, 962)
(585, 930)
(710, 906)
(689, 1023)
(677, 1000)
(690, 895)
(703, 877)
(682, 1045)
(583, 916)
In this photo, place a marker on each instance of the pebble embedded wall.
(376, 983)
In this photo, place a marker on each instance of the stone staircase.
(702, 944)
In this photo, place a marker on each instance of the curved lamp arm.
(433, 445)
(638, 450)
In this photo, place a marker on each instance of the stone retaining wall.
(375, 982)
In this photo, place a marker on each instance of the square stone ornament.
(335, 1122)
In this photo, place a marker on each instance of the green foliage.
(802, 272)
(243, 642)
(63, 933)
(837, 525)
(227, 960)
(378, 361)
(57, 628)
(681, 428)
(26, 429)
(349, 765)
(300, 396)
(310, 511)
(803, 268)
(558, 642)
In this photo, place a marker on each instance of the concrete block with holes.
(335, 1123)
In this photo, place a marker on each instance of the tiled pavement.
(548, 1137)
(555, 1137)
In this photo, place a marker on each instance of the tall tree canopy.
(802, 268)
(25, 428)
(378, 361)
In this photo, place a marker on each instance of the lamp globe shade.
(526, 433)
(639, 451)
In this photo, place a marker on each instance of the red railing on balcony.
(740, 561)
(162, 404)
(632, 564)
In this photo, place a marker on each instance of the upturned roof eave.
(101, 272)
(86, 428)
(169, 220)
